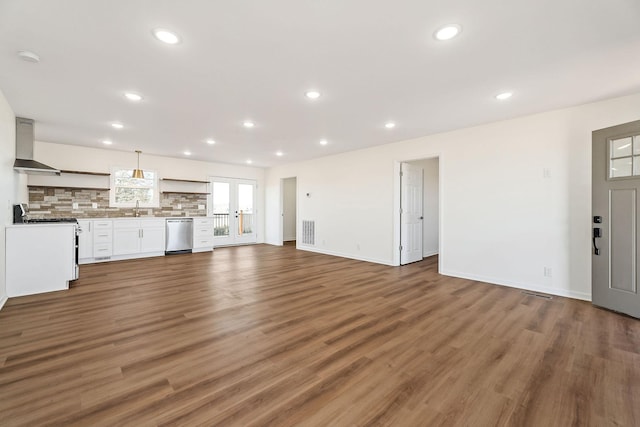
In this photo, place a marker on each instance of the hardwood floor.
(271, 336)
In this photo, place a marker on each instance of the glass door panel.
(245, 209)
(221, 205)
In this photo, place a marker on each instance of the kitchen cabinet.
(40, 258)
(102, 239)
(95, 240)
(85, 240)
(202, 234)
(138, 236)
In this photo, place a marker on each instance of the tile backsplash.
(54, 202)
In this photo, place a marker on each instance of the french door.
(234, 212)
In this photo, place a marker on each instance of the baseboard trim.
(428, 254)
(343, 255)
(3, 300)
(584, 296)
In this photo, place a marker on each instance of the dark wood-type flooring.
(270, 336)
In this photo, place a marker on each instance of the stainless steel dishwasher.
(179, 236)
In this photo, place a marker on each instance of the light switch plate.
(74, 205)
(179, 205)
(94, 205)
(201, 207)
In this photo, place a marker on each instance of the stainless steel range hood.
(24, 150)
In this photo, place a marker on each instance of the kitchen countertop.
(42, 224)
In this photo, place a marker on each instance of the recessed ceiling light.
(323, 142)
(210, 141)
(390, 125)
(107, 142)
(249, 161)
(504, 95)
(187, 153)
(133, 96)
(447, 32)
(166, 36)
(248, 124)
(312, 94)
(117, 125)
(27, 55)
(279, 153)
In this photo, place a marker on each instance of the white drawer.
(102, 236)
(102, 250)
(102, 224)
(203, 221)
(203, 242)
(203, 231)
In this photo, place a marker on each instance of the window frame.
(155, 203)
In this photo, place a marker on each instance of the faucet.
(136, 210)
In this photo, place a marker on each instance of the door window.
(624, 157)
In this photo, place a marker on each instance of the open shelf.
(86, 173)
(70, 186)
(185, 180)
(182, 192)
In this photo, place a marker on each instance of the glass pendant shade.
(137, 172)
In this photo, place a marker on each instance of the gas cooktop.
(46, 220)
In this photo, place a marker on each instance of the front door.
(234, 212)
(615, 213)
(411, 216)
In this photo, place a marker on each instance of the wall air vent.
(308, 232)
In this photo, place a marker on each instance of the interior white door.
(234, 212)
(411, 216)
(615, 214)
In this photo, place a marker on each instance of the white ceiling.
(372, 60)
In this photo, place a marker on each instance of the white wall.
(502, 221)
(12, 184)
(430, 206)
(72, 157)
(289, 209)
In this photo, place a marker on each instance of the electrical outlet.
(547, 272)
(94, 205)
(179, 205)
(74, 205)
(201, 207)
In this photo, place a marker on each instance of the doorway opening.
(289, 209)
(418, 208)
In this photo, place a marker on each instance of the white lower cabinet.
(94, 240)
(202, 234)
(152, 236)
(102, 239)
(119, 238)
(138, 236)
(85, 241)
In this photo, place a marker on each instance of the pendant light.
(138, 173)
